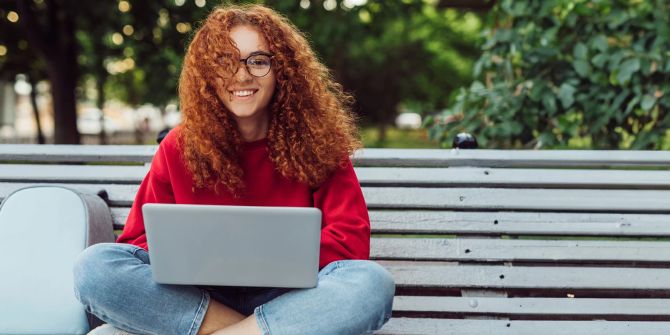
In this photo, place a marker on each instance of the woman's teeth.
(245, 93)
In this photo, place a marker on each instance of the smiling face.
(248, 97)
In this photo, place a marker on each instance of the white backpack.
(42, 230)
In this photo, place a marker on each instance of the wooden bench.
(479, 241)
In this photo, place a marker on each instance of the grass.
(398, 138)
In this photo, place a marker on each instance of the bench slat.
(120, 195)
(448, 275)
(103, 174)
(510, 158)
(366, 157)
(119, 215)
(508, 223)
(499, 250)
(415, 326)
(518, 223)
(423, 177)
(533, 306)
(456, 198)
(514, 178)
(77, 153)
(518, 199)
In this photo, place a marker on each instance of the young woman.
(265, 125)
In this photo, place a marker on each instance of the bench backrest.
(536, 237)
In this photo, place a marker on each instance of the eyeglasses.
(258, 64)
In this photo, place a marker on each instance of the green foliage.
(17, 56)
(388, 53)
(556, 73)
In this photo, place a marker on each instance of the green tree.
(19, 58)
(75, 42)
(48, 27)
(94, 35)
(556, 71)
(160, 33)
(387, 53)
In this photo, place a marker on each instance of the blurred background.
(516, 74)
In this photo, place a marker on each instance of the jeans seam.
(199, 313)
(337, 265)
(262, 322)
(132, 246)
(138, 249)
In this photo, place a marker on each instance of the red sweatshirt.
(345, 226)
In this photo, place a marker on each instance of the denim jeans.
(114, 282)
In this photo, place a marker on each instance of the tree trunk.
(381, 140)
(65, 81)
(36, 112)
(100, 83)
(65, 111)
(57, 45)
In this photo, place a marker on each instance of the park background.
(516, 74)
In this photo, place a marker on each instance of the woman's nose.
(242, 73)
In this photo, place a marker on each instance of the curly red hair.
(312, 130)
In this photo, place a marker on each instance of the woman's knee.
(374, 277)
(379, 280)
(373, 289)
(95, 268)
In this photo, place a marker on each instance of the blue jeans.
(114, 282)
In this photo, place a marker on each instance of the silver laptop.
(233, 245)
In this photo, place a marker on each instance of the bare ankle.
(248, 326)
(217, 317)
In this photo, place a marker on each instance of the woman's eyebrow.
(259, 52)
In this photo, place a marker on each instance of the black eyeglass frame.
(253, 54)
